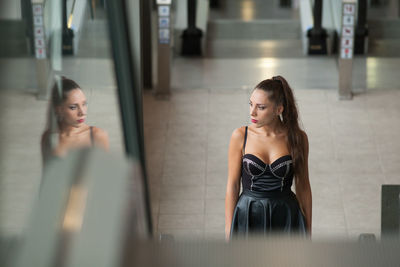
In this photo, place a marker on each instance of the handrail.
(335, 7)
(306, 19)
(332, 21)
(75, 20)
(202, 14)
(71, 14)
(127, 70)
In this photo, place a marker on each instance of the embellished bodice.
(261, 177)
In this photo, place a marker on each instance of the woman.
(267, 155)
(70, 131)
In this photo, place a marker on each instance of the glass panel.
(28, 117)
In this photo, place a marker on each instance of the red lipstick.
(254, 121)
(81, 120)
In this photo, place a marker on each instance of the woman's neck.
(72, 130)
(273, 129)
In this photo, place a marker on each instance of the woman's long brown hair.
(280, 93)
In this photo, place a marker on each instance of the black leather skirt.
(268, 213)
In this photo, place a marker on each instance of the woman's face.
(74, 109)
(262, 110)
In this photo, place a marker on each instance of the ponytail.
(281, 94)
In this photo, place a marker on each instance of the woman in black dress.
(267, 156)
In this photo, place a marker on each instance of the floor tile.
(355, 145)
(215, 191)
(183, 234)
(215, 206)
(215, 221)
(317, 165)
(217, 178)
(326, 217)
(359, 165)
(373, 179)
(329, 234)
(392, 178)
(182, 192)
(179, 221)
(214, 234)
(362, 205)
(190, 178)
(390, 162)
(354, 233)
(182, 206)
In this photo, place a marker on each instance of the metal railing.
(306, 20)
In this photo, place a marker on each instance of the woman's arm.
(233, 184)
(303, 189)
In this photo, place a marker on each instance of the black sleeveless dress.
(267, 204)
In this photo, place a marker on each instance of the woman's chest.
(267, 149)
(66, 143)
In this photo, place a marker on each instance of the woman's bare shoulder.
(100, 136)
(98, 131)
(237, 137)
(238, 133)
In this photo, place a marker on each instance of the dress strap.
(245, 139)
(91, 136)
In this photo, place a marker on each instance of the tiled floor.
(304, 73)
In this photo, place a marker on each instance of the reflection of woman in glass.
(267, 156)
(70, 131)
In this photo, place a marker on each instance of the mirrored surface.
(27, 78)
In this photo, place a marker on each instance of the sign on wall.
(163, 2)
(38, 31)
(164, 23)
(163, 11)
(347, 34)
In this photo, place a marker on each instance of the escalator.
(384, 38)
(251, 29)
(384, 29)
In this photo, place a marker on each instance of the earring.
(281, 117)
